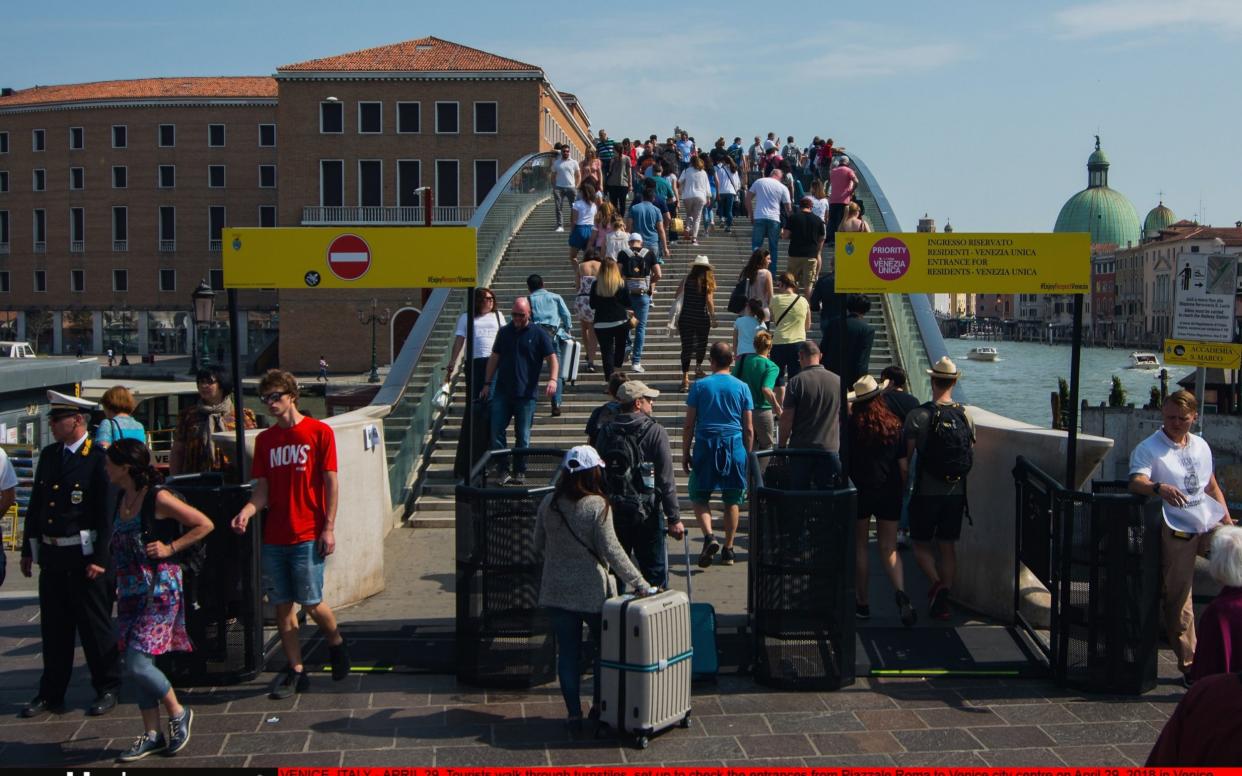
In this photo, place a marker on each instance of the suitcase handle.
(685, 539)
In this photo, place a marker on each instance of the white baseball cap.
(582, 457)
(635, 237)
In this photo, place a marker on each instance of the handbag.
(674, 312)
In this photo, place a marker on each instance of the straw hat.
(701, 261)
(867, 388)
(944, 368)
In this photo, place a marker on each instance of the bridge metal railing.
(414, 379)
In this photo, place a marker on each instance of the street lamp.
(374, 316)
(124, 335)
(204, 312)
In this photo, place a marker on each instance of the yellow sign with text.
(349, 257)
(1222, 355)
(929, 262)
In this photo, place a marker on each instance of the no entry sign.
(349, 257)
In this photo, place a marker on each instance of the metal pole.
(374, 376)
(239, 431)
(1200, 386)
(471, 389)
(1071, 446)
(843, 412)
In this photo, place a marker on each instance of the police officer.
(68, 528)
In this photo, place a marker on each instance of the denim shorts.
(293, 573)
(579, 237)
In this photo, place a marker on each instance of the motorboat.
(983, 353)
(1143, 360)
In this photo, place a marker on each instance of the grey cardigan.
(572, 579)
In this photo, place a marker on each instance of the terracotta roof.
(227, 87)
(422, 55)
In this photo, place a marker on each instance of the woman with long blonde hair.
(611, 302)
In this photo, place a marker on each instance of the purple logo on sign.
(889, 258)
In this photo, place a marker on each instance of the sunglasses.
(273, 397)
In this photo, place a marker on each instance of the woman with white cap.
(574, 531)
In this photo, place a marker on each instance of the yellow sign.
(349, 257)
(929, 262)
(1223, 355)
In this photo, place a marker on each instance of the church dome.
(1103, 213)
(1159, 218)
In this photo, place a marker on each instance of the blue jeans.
(654, 247)
(522, 413)
(724, 206)
(766, 228)
(567, 627)
(560, 384)
(642, 307)
(143, 683)
(567, 194)
(292, 573)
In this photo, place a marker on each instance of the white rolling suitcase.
(645, 667)
(570, 351)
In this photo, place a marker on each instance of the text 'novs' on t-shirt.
(293, 461)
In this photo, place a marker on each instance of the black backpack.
(739, 296)
(632, 500)
(949, 451)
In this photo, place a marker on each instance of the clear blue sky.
(982, 112)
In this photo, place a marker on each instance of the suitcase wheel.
(642, 742)
(685, 721)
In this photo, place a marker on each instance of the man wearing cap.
(939, 500)
(641, 532)
(641, 270)
(68, 528)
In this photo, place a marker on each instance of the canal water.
(1019, 383)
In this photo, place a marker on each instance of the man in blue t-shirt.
(516, 361)
(716, 439)
(645, 219)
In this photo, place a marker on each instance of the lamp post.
(124, 335)
(204, 312)
(373, 317)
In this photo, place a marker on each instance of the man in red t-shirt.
(294, 470)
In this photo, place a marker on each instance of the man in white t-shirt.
(766, 201)
(1176, 466)
(8, 497)
(568, 177)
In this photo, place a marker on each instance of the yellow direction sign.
(929, 262)
(1222, 355)
(347, 257)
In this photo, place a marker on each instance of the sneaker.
(726, 556)
(179, 731)
(862, 611)
(637, 368)
(287, 682)
(339, 657)
(903, 539)
(590, 367)
(556, 410)
(560, 229)
(143, 745)
(515, 480)
(710, 548)
(906, 610)
(939, 608)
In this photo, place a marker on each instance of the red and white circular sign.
(349, 257)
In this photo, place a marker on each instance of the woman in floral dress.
(150, 615)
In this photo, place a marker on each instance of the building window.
(446, 118)
(4, 282)
(331, 118)
(120, 228)
(215, 135)
(4, 142)
(485, 118)
(39, 180)
(77, 178)
(120, 280)
(40, 231)
(168, 135)
(485, 174)
(215, 176)
(370, 118)
(40, 280)
(370, 183)
(4, 181)
(4, 231)
(267, 176)
(446, 182)
(331, 182)
(119, 136)
(77, 139)
(120, 177)
(168, 280)
(38, 140)
(409, 178)
(77, 280)
(168, 176)
(409, 117)
(215, 225)
(267, 216)
(77, 230)
(168, 228)
(215, 277)
(267, 135)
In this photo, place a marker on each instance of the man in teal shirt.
(549, 311)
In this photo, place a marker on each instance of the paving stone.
(533, 695)
(851, 761)
(553, 710)
(939, 760)
(736, 724)
(761, 703)
(705, 706)
(580, 753)
(257, 743)
(939, 740)
(400, 698)
(927, 699)
(301, 760)
(786, 745)
(689, 764)
(842, 701)
(202, 744)
(427, 716)
(962, 716)
(377, 758)
(767, 762)
(863, 742)
(666, 749)
(184, 761)
(1014, 758)
(1034, 714)
(1011, 736)
(18, 753)
(335, 701)
(1114, 712)
(1000, 695)
(440, 735)
(462, 696)
(1091, 755)
(1100, 733)
(813, 721)
(261, 703)
(52, 732)
(530, 733)
(335, 740)
(228, 723)
(486, 756)
(889, 719)
(1136, 752)
(488, 714)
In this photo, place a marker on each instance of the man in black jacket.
(68, 528)
(642, 534)
(859, 337)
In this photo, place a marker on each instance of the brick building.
(342, 140)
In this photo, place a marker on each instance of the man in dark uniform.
(68, 527)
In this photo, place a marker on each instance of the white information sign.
(1204, 287)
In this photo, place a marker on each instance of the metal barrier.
(223, 614)
(801, 572)
(503, 640)
(1098, 554)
